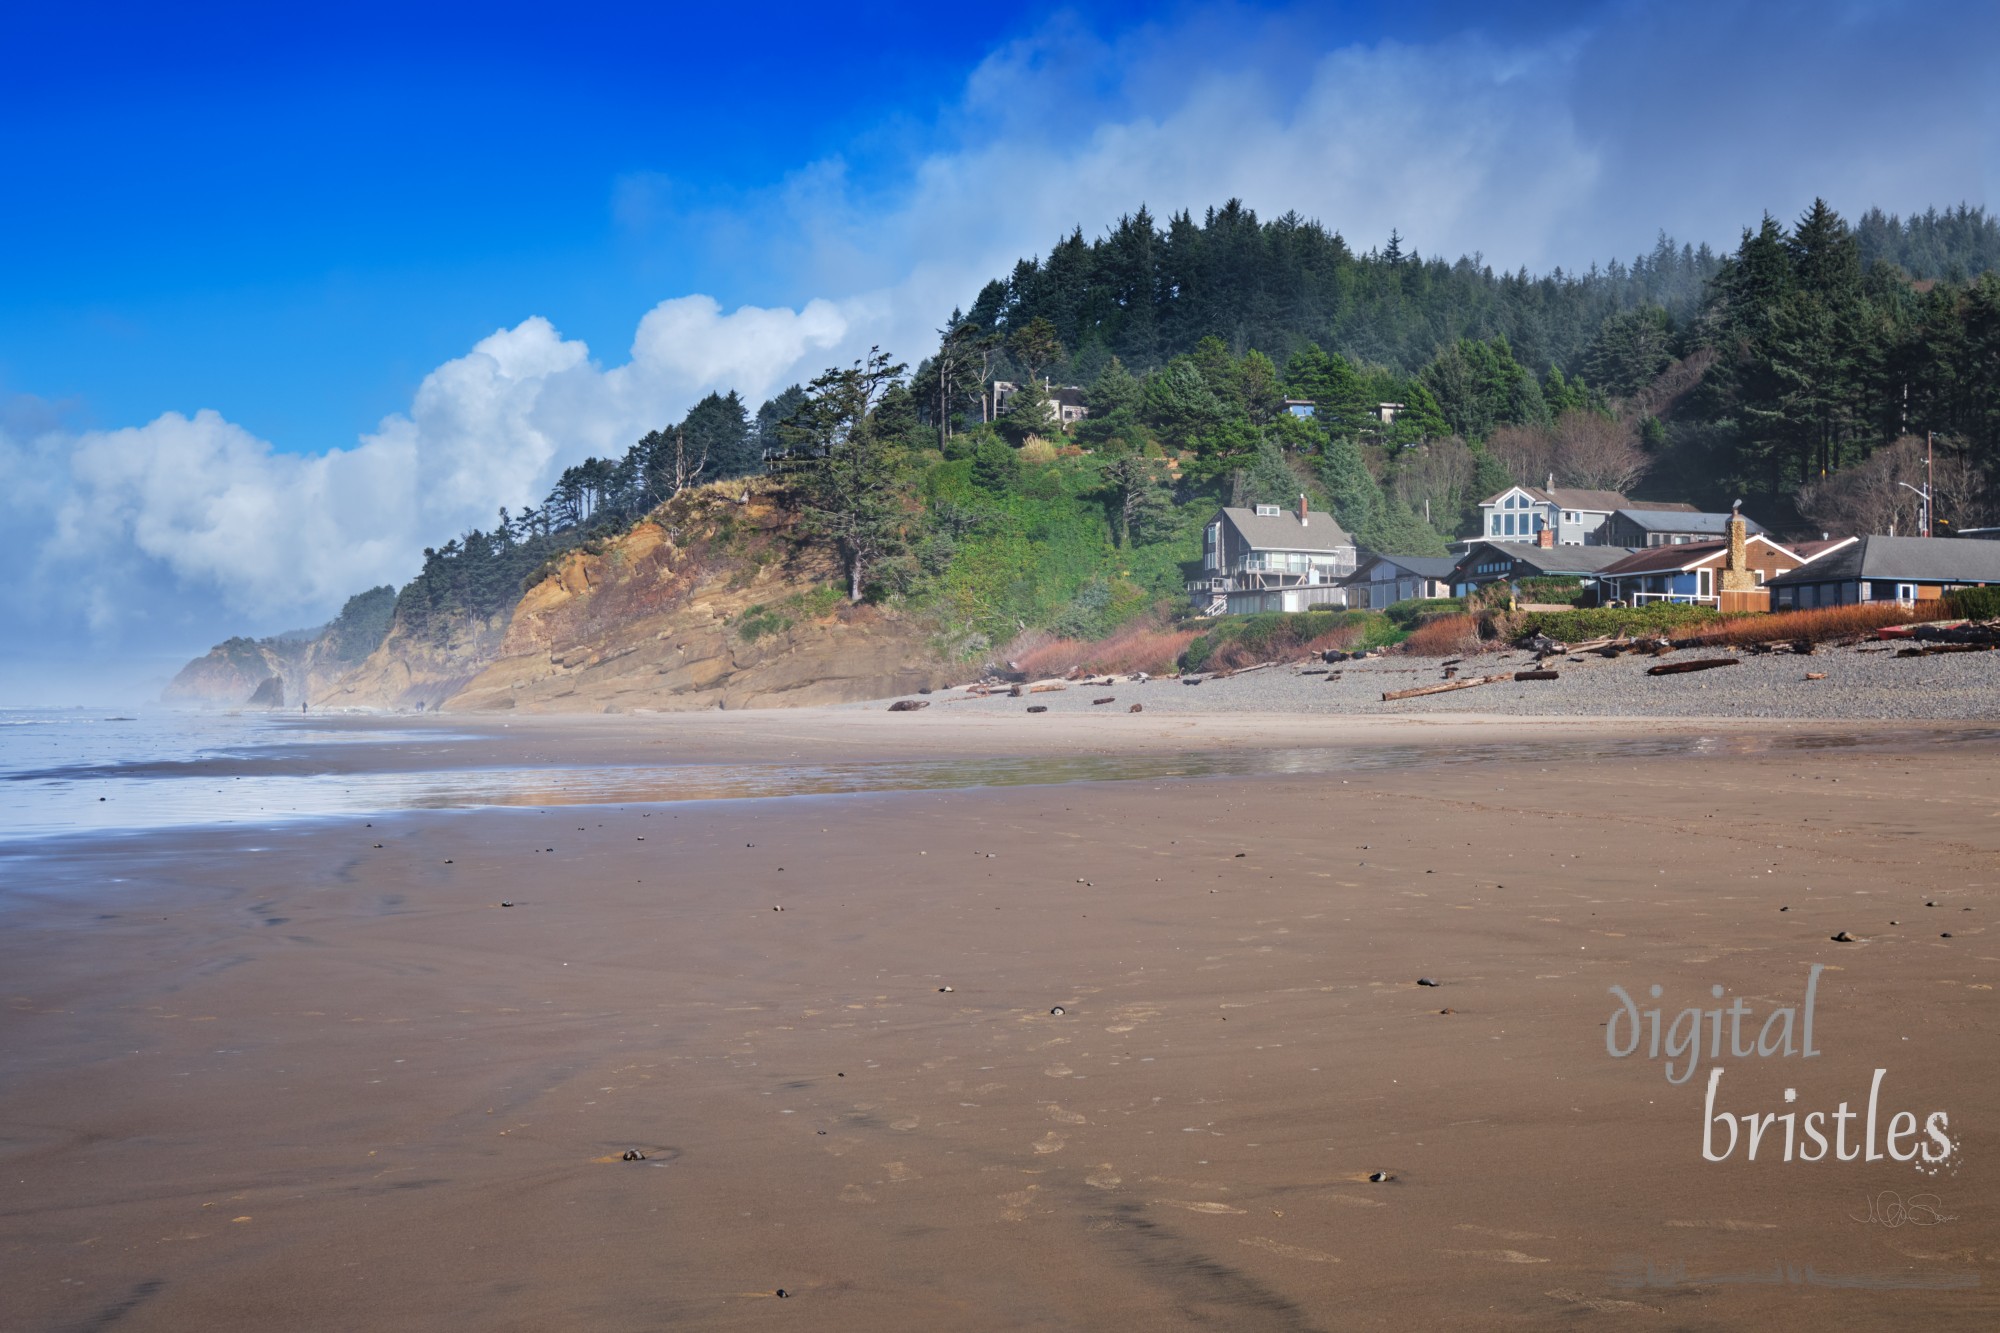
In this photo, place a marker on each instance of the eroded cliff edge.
(713, 601)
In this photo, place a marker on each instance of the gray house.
(1384, 580)
(1269, 558)
(1656, 525)
(1573, 517)
(1495, 562)
(1888, 569)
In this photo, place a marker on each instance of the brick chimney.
(1546, 539)
(1737, 575)
(1303, 522)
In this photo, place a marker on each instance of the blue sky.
(390, 266)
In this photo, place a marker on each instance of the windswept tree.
(851, 492)
(958, 372)
(1035, 347)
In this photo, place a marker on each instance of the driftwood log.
(1698, 664)
(1538, 675)
(909, 705)
(1466, 684)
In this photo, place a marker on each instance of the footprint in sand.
(855, 1194)
(1289, 1251)
(1058, 1071)
(1503, 1235)
(1056, 1113)
(1196, 1206)
(1497, 1256)
(1014, 1207)
(1049, 1142)
(907, 1124)
(898, 1173)
(1104, 1179)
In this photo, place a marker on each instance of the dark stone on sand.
(1135, 708)
(1945, 936)
(908, 705)
(1058, 1011)
(1380, 1177)
(1842, 937)
(1428, 981)
(1107, 699)
(1038, 708)
(506, 904)
(782, 1293)
(634, 1155)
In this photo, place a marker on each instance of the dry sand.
(291, 1079)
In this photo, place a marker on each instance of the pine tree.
(852, 493)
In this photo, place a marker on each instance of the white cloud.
(200, 510)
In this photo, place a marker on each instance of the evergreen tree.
(852, 493)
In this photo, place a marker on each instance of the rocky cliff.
(713, 602)
(285, 669)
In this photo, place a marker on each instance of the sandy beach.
(1078, 1054)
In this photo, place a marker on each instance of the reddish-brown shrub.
(1815, 624)
(1141, 646)
(1446, 636)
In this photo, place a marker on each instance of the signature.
(1890, 1209)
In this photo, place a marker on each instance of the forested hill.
(1801, 371)
(1144, 292)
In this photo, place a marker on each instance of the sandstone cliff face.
(254, 673)
(740, 617)
(711, 604)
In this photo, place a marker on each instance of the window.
(1704, 583)
(1496, 525)
(1906, 592)
(1268, 511)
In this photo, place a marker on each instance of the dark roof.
(1284, 533)
(1423, 566)
(1659, 559)
(1910, 559)
(1814, 550)
(1586, 560)
(1684, 520)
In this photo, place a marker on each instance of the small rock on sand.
(1038, 708)
(1842, 937)
(1428, 981)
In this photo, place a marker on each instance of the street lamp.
(1924, 514)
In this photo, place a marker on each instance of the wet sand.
(287, 1078)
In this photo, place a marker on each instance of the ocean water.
(79, 772)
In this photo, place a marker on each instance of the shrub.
(1815, 625)
(1419, 609)
(1610, 621)
(1142, 646)
(1036, 451)
(1447, 636)
(1973, 604)
(1549, 589)
(1240, 641)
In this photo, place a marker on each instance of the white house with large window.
(1576, 517)
(1269, 558)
